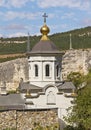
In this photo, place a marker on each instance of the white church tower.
(44, 60)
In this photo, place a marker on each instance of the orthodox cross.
(45, 16)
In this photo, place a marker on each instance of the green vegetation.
(10, 129)
(74, 128)
(52, 127)
(80, 117)
(81, 38)
(10, 58)
(12, 92)
(11, 47)
(77, 78)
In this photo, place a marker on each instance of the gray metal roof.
(27, 86)
(33, 88)
(12, 101)
(44, 47)
(65, 85)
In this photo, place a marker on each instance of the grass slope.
(81, 38)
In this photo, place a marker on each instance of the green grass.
(10, 58)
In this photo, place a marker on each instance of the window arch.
(47, 70)
(57, 69)
(36, 70)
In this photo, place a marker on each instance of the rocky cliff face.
(76, 61)
(73, 61)
(12, 71)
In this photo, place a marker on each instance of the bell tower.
(44, 60)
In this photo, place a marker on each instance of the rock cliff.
(12, 71)
(76, 61)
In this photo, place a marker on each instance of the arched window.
(47, 70)
(57, 69)
(36, 70)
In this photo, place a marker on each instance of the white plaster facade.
(51, 99)
(41, 61)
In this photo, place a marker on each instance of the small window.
(57, 69)
(47, 70)
(36, 70)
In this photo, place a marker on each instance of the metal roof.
(66, 85)
(28, 86)
(11, 101)
(44, 47)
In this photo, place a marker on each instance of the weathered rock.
(76, 61)
(12, 71)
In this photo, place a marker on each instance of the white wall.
(62, 102)
(41, 61)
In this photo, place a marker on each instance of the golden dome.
(45, 29)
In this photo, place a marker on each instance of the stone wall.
(73, 61)
(29, 119)
(7, 119)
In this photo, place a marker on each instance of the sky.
(20, 17)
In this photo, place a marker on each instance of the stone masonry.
(28, 119)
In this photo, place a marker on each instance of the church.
(45, 88)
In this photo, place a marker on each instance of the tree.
(77, 78)
(81, 111)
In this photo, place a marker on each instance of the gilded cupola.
(44, 29)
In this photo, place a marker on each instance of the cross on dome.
(45, 16)
(44, 29)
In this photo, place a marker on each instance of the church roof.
(23, 87)
(11, 101)
(45, 45)
(27, 86)
(66, 85)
